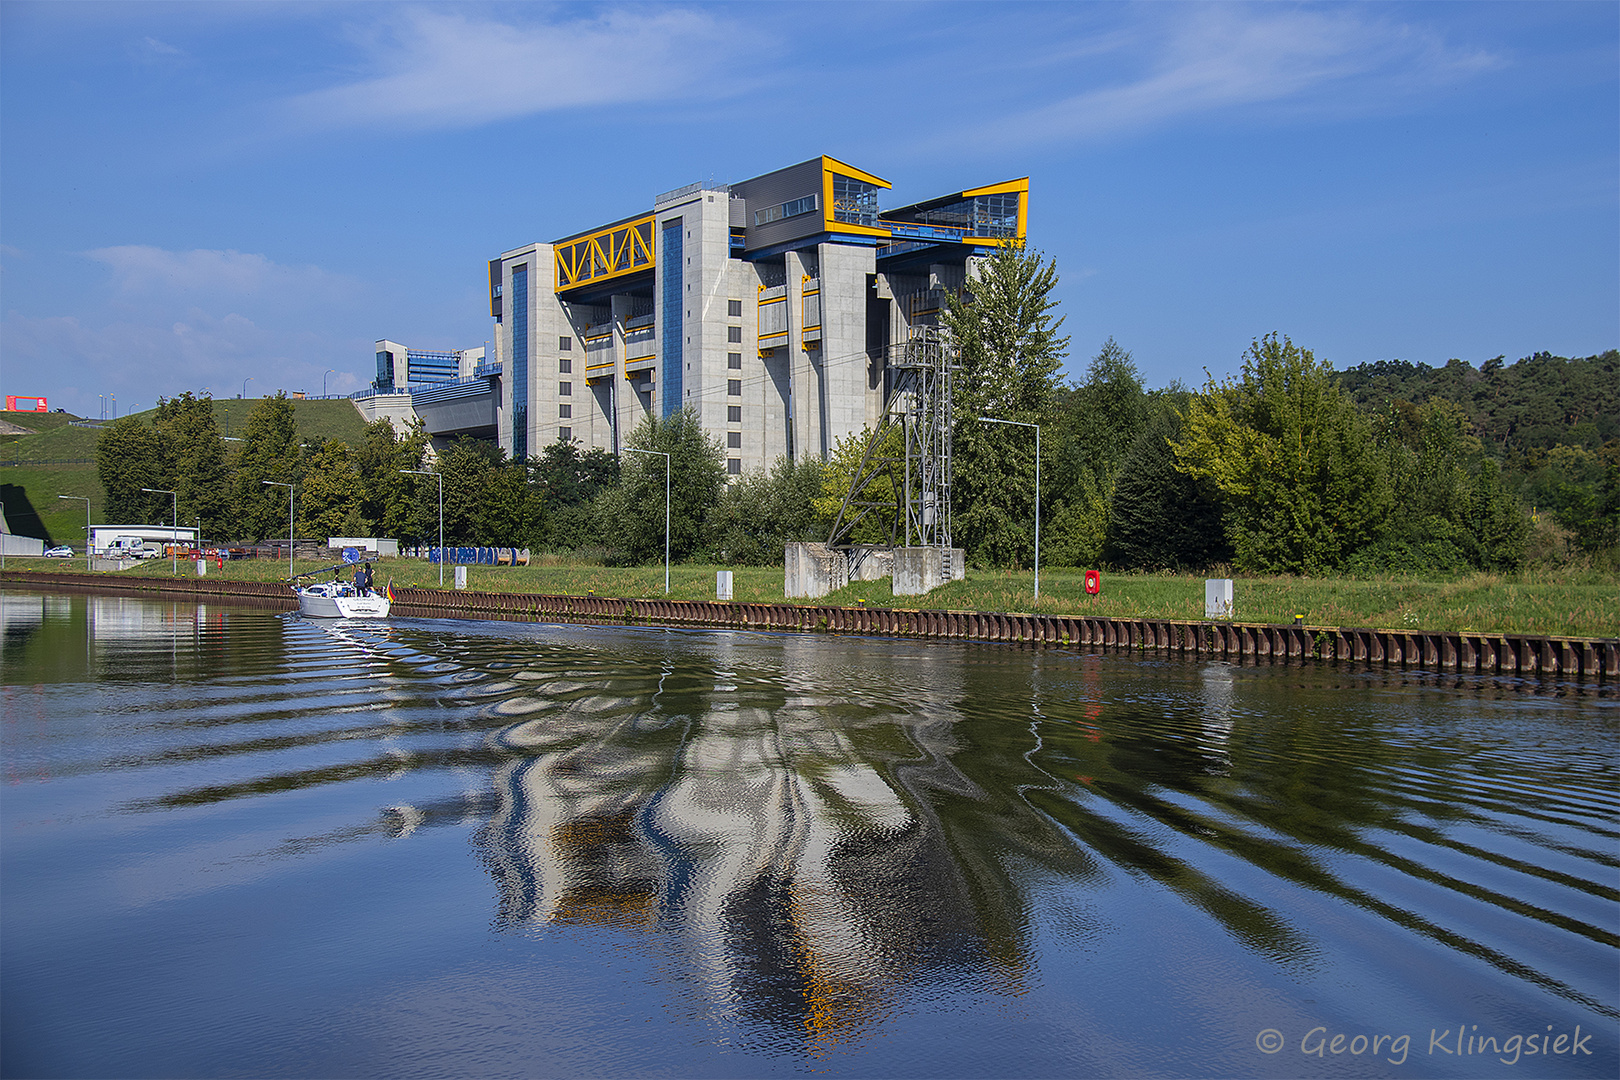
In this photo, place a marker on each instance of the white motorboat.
(339, 599)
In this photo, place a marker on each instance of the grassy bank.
(1572, 603)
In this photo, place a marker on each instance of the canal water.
(240, 843)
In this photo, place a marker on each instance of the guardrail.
(1583, 659)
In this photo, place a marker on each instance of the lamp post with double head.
(440, 477)
(289, 487)
(174, 527)
(1037, 427)
(86, 502)
(662, 454)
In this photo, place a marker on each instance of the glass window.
(734, 308)
(733, 414)
(734, 334)
(854, 201)
(565, 389)
(734, 361)
(564, 434)
(565, 344)
(565, 411)
(786, 210)
(734, 388)
(734, 439)
(734, 466)
(565, 365)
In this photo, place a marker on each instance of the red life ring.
(1093, 582)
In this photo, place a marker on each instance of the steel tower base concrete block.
(918, 570)
(811, 570)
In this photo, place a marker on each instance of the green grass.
(63, 519)
(1573, 603)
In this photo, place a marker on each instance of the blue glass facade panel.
(670, 261)
(520, 362)
(426, 367)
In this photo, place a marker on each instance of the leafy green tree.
(631, 516)
(332, 492)
(269, 451)
(1006, 328)
(193, 461)
(760, 513)
(572, 480)
(390, 505)
(1094, 426)
(513, 507)
(128, 459)
(1496, 523)
(466, 465)
(1293, 459)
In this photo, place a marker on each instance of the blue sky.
(194, 195)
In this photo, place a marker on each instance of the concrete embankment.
(1583, 659)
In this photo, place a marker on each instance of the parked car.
(60, 552)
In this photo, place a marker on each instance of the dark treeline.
(1286, 467)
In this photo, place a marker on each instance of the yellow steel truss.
(617, 250)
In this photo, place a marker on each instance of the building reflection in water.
(772, 829)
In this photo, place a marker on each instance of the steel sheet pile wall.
(1592, 659)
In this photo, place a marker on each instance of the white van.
(130, 547)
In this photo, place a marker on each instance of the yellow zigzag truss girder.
(626, 248)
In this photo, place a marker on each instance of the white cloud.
(433, 69)
(1214, 58)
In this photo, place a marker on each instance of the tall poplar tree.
(1006, 328)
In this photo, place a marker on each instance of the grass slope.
(40, 457)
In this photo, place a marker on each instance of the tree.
(466, 465)
(1006, 329)
(757, 515)
(332, 492)
(127, 460)
(573, 481)
(1292, 457)
(1094, 426)
(390, 505)
(269, 451)
(1160, 518)
(193, 460)
(631, 516)
(513, 509)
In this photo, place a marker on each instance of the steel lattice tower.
(917, 463)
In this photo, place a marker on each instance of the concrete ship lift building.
(768, 306)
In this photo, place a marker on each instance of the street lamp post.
(86, 502)
(289, 487)
(660, 453)
(323, 382)
(1037, 427)
(244, 386)
(440, 476)
(174, 527)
